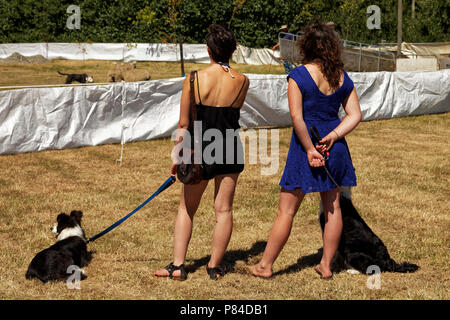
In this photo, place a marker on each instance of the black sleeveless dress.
(222, 151)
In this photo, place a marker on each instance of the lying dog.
(81, 78)
(359, 246)
(70, 249)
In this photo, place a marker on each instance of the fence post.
(378, 68)
(123, 125)
(181, 55)
(360, 57)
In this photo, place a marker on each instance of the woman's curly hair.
(221, 41)
(321, 44)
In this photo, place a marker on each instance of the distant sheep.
(127, 72)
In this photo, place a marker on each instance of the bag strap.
(193, 108)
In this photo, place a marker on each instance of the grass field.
(47, 73)
(403, 193)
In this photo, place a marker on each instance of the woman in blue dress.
(316, 90)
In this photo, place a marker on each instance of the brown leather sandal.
(215, 273)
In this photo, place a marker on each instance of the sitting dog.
(81, 78)
(359, 246)
(70, 249)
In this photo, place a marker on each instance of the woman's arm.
(295, 98)
(183, 122)
(351, 120)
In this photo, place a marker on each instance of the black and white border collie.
(80, 77)
(70, 249)
(359, 246)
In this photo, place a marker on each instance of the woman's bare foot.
(323, 272)
(173, 272)
(163, 273)
(261, 272)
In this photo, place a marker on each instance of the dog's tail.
(63, 74)
(404, 267)
(31, 274)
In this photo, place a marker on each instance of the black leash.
(163, 187)
(316, 138)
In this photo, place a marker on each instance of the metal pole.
(399, 27)
(181, 54)
(360, 57)
(378, 59)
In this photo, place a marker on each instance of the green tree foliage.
(431, 22)
(255, 22)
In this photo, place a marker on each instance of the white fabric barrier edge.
(168, 52)
(108, 51)
(36, 119)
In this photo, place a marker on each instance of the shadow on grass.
(230, 258)
(302, 263)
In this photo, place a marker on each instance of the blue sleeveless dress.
(320, 110)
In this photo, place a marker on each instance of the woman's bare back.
(218, 88)
(320, 80)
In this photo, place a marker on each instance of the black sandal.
(171, 268)
(215, 273)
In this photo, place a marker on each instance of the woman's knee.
(222, 210)
(288, 213)
(289, 202)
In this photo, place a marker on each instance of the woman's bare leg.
(288, 206)
(189, 202)
(332, 231)
(225, 186)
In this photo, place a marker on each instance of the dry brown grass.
(403, 193)
(46, 73)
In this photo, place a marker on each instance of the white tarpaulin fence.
(108, 51)
(36, 119)
(171, 51)
(133, 52)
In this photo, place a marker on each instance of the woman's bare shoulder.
(239, 75)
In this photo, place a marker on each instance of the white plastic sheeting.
(252, 56)
(133, 52)
(68, 117)
(108, 51)
(36, 119)
(385, 95)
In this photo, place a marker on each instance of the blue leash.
(163, 187)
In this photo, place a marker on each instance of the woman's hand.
(327, 142)
(173, 169)
(315, 159)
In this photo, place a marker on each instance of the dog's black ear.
(77, 215)
(61, 217)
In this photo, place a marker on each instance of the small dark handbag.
(190, 173)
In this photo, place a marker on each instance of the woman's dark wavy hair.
(221, 41)
(321, 44)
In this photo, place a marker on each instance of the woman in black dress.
(219, 94)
